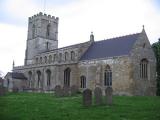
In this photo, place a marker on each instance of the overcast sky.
(77, 18)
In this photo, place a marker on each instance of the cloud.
(106, 18)
(12, 46)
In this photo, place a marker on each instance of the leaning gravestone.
(58, 91)
(74, 90)
(66, 91)
(108, 92)
(98, 96)
(87, 97)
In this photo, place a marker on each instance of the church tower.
(42, 35)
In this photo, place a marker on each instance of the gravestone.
(74, 90)
(108, 92)
(15, 89)
(58, 91)
(2, 90)
(98, 96)
(87, 97)
(66, 91)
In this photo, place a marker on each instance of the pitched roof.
(111, 47)
(17, 75)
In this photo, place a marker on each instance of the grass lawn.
(40, 106)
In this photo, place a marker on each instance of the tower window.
(108, 76)
(47, 45)
(33, 31)
(48, 30)
(144, 69)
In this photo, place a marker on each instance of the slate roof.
(17, 75)
(111, 47)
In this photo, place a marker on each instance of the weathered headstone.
(98, 96)
(58, 91)
(15, 89)
(2, 90)
(87, 97)
(108, 92)
(66, 91)
(74, 90)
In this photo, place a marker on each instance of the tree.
(156, 49)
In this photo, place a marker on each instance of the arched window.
(66, 56)
(83, 82)
(38, 79)
(48, 30)
(72, 55)
(40, 60)
(30, 78)
(144, 69)
(54, 57)
(60, 57)
(45, 59)
(108, 76)
(47, 45)
(50, 58)
(36, 60)
(33, 31)
(67, 77)
(48, 72)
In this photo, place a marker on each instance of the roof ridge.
(118, 37)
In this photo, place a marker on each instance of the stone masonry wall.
(142, 49)
(121, 74)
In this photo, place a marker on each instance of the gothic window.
(72, 55)
(108, 76)
(45, 59)
(67, 77)
(33, 31)
(30, 78)
(50, 58)
(41, 60)
(144, 69)
(38, 79)
(48, 72)
(60, 57)
(83, 82)
(36, 60)
(55, 57)
(66, 56)
(47, 45)
(48, 30)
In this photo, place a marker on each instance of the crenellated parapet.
(43, 16)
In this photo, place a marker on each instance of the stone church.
(125, 63)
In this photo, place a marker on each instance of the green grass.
(40, 106)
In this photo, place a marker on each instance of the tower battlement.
(43, 16)
(42, 35)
